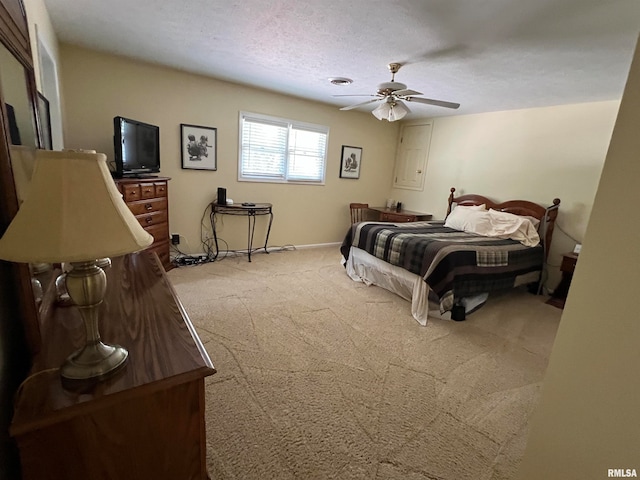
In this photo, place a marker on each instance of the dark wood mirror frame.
(14, 35)
(19, 319)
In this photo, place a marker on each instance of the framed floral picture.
(198, 147)
(351, 162)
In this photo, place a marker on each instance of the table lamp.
(74, 213)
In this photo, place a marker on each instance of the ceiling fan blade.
(355, 95)
(406, 91)
(350, 107)
(428, 101)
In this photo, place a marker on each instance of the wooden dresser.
(144, 422)
(148, 199)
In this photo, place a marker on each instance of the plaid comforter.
(454, 264)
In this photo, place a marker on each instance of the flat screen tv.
(137, 148)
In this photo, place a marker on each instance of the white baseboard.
(270, 249)
(319, 245)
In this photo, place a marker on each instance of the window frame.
(291, 125)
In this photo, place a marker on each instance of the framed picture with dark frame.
(199, 147)
(45, 122)
(350, 162)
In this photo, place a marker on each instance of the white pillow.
(534, 220)
(492, 223)
(461, 215)
(515, 227)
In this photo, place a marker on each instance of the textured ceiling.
(487, 55)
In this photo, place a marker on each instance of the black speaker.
(222, 196)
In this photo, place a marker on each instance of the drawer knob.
(148, 219)
(148, 206)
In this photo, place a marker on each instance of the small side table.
(567, 267)
(250, 211)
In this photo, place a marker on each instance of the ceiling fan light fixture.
(340, 81)
(398, 111)
(391, 110)
(381, 112)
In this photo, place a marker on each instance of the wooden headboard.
(517, 207)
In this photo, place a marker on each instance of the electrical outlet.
(577, 248)
(175, 239)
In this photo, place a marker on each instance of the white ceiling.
(487, 55)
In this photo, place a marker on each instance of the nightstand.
(398, 216)
(567, 267)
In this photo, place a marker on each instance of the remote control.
(248, 204)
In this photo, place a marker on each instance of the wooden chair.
(358, 211)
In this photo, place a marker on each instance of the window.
(279, 150)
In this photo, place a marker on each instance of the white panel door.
(411, 157)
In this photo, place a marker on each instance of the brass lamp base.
(86, 284)
(94, 361)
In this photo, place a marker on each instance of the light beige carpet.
(320, 377)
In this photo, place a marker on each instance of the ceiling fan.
(392, 95)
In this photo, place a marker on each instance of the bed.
(448, 268)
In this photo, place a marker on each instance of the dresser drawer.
(147, 190)
(162, 250)
(153, 218)
(130, 192)
(396, 217)
(160, 189)
(159, 231)
(148, 206)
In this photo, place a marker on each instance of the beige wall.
(588, 419)
(44, 42)
(535, 154)
(98, 87)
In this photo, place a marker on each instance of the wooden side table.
(567, 267)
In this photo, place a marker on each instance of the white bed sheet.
(364, 267)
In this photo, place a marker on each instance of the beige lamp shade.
(73, 212)
(22, 162)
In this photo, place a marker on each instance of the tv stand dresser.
(148, 199)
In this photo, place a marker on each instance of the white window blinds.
(279, 150)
